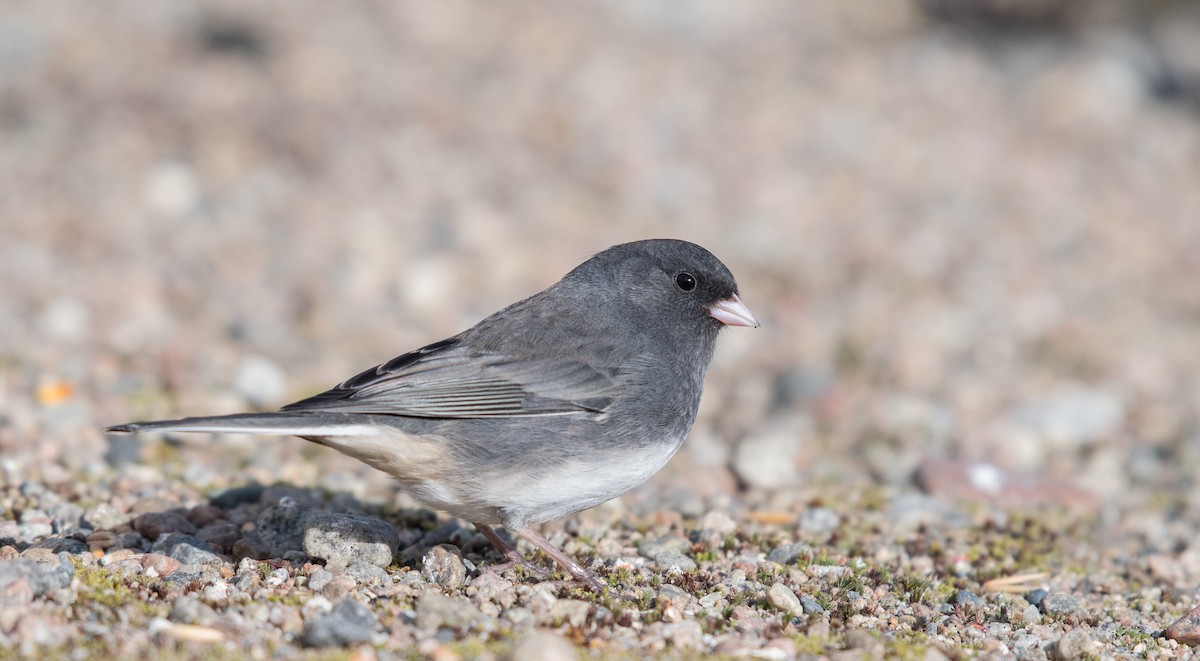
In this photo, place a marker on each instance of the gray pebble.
(1025, 644)
(43, 576)
(787, 554)
(319, 579)
(1059, 604)
(348, 623)
(35, 524)
(276, 578)
(188, 609)
(967, 598)
(810, 605)
(673, 561)
(436, 610)
(186, 549)
(367, 574)
(105, 517)
(340, 539)
(443, 565)
(1035, 597)
(673, 596)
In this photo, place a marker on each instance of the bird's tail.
(283, 424)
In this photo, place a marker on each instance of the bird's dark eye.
(685, 281)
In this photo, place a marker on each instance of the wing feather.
(449, 380)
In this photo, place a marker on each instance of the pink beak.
(733, 312)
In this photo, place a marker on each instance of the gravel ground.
(969, 426)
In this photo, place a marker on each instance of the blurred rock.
(260, 381)
(435, 610)
(542, 646)
(348, 623)
(768, 460)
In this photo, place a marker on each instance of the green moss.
(807, 645)
(912, 588)
(100, 587)
(907, 646)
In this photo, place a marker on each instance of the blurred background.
(971, 229)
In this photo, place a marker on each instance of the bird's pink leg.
(573, 568)
(514, 558)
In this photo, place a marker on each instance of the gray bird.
(555, 404)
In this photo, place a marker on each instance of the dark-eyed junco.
(550, 406)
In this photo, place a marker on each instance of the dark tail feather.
(282, 424)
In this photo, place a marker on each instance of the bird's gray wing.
(448, 379)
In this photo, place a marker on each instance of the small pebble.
(368, 575)
(443, 565)
(152, 525)
(319, 579)
(784, 600)
(347, 623)
(1058, 604)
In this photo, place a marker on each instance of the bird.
(555, 404)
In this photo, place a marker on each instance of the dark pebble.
(281, 528)
(243, 495)
(154, 524)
